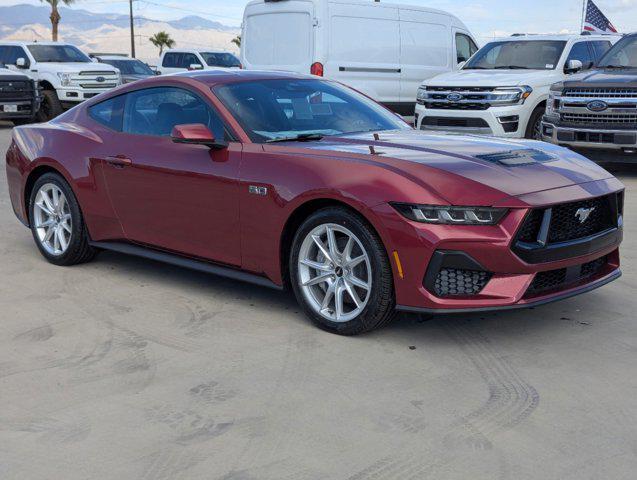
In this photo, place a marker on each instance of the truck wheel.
(534, 128)
(51, 106)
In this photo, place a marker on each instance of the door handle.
(119, 161)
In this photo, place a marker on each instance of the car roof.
(115, 57)
(216, 77)
(561, 37)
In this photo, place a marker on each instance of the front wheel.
(534, 128)
(340, 273)
(51, 106)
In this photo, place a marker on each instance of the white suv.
(65, 74)
(179, 60)
(502, 90)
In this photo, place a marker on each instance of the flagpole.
(584, 2)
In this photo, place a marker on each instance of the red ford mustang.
(294, 181)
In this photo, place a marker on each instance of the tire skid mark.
(511, 399)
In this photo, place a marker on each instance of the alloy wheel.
(334, 272)
(52, 219)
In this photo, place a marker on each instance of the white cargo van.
(384, 50)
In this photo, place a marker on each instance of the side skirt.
(177, 260)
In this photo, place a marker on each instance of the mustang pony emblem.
(583, 213)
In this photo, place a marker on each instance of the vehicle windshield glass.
(527, 55)
(288, 108)
(623, 54)
(220, 59)
(58, 53)
(130, 67)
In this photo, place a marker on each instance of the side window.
(109, 113)
(156, 111)
(581, 52)
(189, 59)
(3, 55)
(465, 47)
(12, 54)
(171, 60)
(600, 48)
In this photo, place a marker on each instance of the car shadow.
(6, 125)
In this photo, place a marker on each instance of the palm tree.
(161, 40)
(55, 15)
(237, 41)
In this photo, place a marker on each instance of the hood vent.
(517, 158)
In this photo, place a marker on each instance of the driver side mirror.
(21, 63)
(196, 134)
(195, 66)
(573, 66)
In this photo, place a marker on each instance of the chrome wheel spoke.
(52, 219)
(49, 233)
(332, 282)
(44, 208)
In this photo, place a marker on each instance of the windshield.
(58, 53)
(220, 59)
(623, 54)
(527, 54)
(286, 108)
(130, 67)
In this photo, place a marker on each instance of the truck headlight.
(510, 95)
(448, 215)
(65, 79)
(422, 95)
(552, 104)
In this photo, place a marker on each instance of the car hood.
(492, 78)
(455, 166)
(10, 75)
(603, 78)
(75, 67)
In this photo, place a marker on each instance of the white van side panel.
(364, 49)
(279, 36)
(425, 49)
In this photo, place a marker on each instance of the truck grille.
(599, 118)
(601, 92)
(468, 98)
(16, 90)
(456, 106)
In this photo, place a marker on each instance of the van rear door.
(364, 50)
(425, 45)
(278, 36)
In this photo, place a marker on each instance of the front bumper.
(491, 120)
(589, 138)
(77, 94)
(511, 278)
(26, 108)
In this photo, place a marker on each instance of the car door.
(178, 197)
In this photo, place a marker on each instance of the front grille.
(562, 278)
(455, 122)
(98, 85)
(579, 118)
(97, 73)
(567, 225)
(456, 106)
(457, 282)
(16, 90)
(601, 92)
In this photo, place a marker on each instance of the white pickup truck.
(502, 90)
(65, 74)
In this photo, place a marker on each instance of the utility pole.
(132, 30)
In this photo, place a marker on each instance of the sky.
(485, 18)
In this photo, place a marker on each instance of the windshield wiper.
(475, 68)
(510, 67)
(617, 67)
(301, 137)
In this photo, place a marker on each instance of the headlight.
(552, 104)
(65, 79)
(422, 95)
(451, 215)
(510, 95)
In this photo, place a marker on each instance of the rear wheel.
(340, 273)
(51, 106)
(57, 224)
(534, 128)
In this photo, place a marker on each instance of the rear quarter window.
(109, 113)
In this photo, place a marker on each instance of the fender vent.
(517, 158)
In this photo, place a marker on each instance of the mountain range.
(110, 32)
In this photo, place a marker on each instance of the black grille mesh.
(531, 227)
(566, 225)
(557, 279)
(458, 282)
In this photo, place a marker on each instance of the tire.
(341, 275)
(51, 106)
(70, 223)
(534, 127)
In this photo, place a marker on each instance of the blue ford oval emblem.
(454, 97)
(597, 106)
(100, 79)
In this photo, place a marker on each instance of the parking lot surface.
(125, 368)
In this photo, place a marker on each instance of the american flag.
(596, 21)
